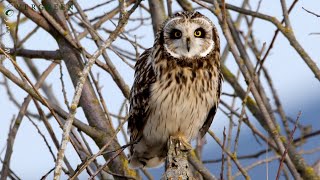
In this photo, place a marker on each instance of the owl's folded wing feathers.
(140, 94)
(213, 110)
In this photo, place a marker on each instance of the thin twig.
(223, 147)
(232, 156)
(63, 87)
(101, 151)
(288, 145)
(43, 137)
(317, 15)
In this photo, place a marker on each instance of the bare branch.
(80, 84)
(158, 14)
(13, 132)
(317, 15)
(177, 166)
(194, 161)
(288, 145)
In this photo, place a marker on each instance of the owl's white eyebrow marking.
(205, 21)
(169, 22)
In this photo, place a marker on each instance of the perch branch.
(177, 166)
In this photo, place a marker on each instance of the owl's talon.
(182, 143)
(185, 146)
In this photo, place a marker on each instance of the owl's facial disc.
(188, 38)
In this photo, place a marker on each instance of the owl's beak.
(188, 44)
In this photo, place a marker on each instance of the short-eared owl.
(176, 89)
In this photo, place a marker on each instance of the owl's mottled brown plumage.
(176, 89)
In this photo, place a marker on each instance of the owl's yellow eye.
(197, 33)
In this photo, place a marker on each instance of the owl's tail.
(146, 156)
(140, 162)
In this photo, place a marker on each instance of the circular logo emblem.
(9, 11)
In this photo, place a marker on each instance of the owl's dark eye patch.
(175, 34)
(200, 33)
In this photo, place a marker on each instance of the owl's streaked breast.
(179, 103)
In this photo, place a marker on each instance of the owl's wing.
(213, 110)
(140, 94)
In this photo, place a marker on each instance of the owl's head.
(189, 35)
